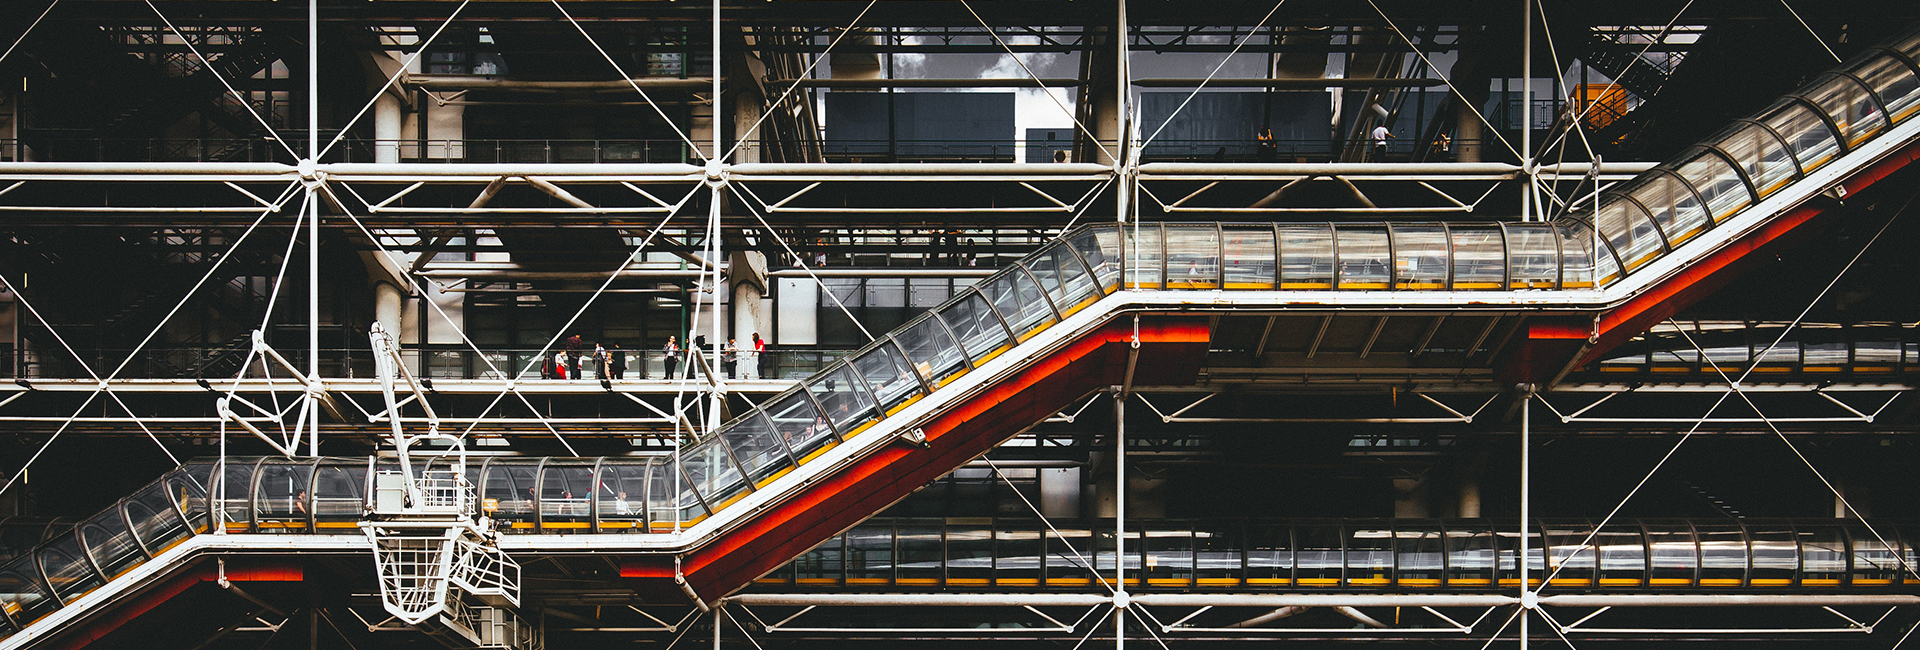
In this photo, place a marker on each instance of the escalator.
(1101, 306)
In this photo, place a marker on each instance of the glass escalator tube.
(1017, 298)
(1099, 248)
(1533, 256)
(1420, 555)
(1891, 75)
(1193, 256)
(1248, 257)
(620, 495)
(1806, 131)
(566, 496)
(282, 496)
(1145, 256)
(1308, 255)
(1269, 556)
(339, 494)
(1631, 233)
(1365, 257)
(1420, 256)
(893, 381)
(973, 322)
(761, 452)
(1852, 109)
(1479, 256)
(1718, 182)
(109, 541)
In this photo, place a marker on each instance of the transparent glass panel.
(1893, 82)
(1479, 257)
(339, 497)
(969, 555)
(622, 491)
(1623, 556)
(1571, 562)
(1370, 556)
(1316, 556)
(1419, 256)
(188, 487)
(1144, 256)
(566, 496)
(801, 426)
(1269, 556)
(1364, 263)
(978, 329)
(845, 401)
(707, 467)
(1671, 205)
(1469, 557)
(931, 350)
(1823, 556)
(156, 523)
(1100, 247)
(1306, 256)
(758, 448)
(1065, 280)
(509, 492)
(663, 492)
(22, 594)
(824, 565)
(1576, 256)
(1017, 561)
(1776, 555)
(1875, 562)
(1850, 106)
(1248, 256)
(1216, 555)
(1168, 556)
(67, 569)
(870, 555)
(1813, 142)
(1723, 555)
(1019, 300)
(1064, 553)
(111, 543)
(1533, 261)
(1630, 232)
(1193, 257)
(280, 499)
(235, 498)
(1419, 556)
(918, 554)
(892, 381)
(1718, 184)
(1764, 157)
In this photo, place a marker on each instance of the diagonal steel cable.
(1095, 572)
(643, 94)
(1216, 70)
(244, 102)
(1121, 38)
(23, 35)
(1810, 32)
(391, 80)
(1445, 78)
(1584, 545)
(1637, 58)
(743, 135)
(797, 260)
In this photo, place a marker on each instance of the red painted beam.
(196, 572)
(1170, 353)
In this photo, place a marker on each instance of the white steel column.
(313, 227)
(1120, 603)
(1526, 117)
(1527, 596)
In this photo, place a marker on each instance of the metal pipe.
(998, 82)
(1288, 84)
(1527, 596)
(463, 82)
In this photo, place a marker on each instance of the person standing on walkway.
(1380, 137)
(671, 352)
(573, 355)
(730, 358)
(599, 361)
(761, 366)
(617, 359)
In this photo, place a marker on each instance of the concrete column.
(1467, 125)
(1856, 494)
(747, 273)
(388, 305)
(1467, 480)
(386, 128)
(1411, 498)
(1102, 79)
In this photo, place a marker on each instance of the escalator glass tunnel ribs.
(1835, 130)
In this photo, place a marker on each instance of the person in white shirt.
(1380, 137)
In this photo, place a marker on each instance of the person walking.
(760, 358)
(671, 352)
(1380, 137)
(617, 359)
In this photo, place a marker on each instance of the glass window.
(663, 491)
(1508, 549)
(1370, 556)
(1533, 261)
(931, 350)
(1718, 185)
(155, 521)
(22, 594)
(1893, 82)
(1630, 232)
(823, 565)
(1479, 257)
(1067, 557)
(1064, 279)
(969, 555)
(338, 497)
(1100, 247)
(1193, 257)
(67, 569)
(1247, 253)
(1672, 206)
(1576, 256)
(1269, 556)
(1723, 555)
(1823, 556)
(1017, 557)
(1144, 256)
(280, 500)
(1570, 561)
(1875, 562)
(757, 447)
(1306, 256)
(978, 329)
(1469, 557)
(1419, 556)
(1217, 555)
(919, 554)
(845, 402)
(1420, 256)
(1762, 156)
(1364, 263)
(622, 494)
(1316, 556)
(800, 426)
(1673, 556)
(707, 466)
(894, 384)
(1807, 135)
(1776, 556)
(1623, 556)
(1019, 300)
(870, 555)
(566, 500)
(111, 543)
(1852, 109)
(1169, 557)
(510, 492)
